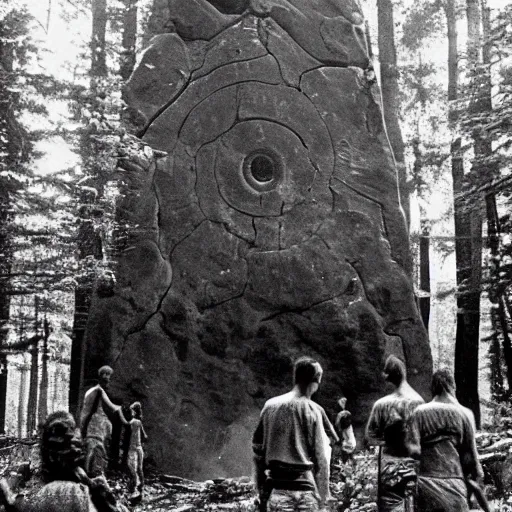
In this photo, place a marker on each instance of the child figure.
(343, 425)
(135, 451)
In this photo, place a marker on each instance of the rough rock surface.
(271, 229)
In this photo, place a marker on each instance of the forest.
(67, 138)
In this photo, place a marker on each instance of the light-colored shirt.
(291, 431)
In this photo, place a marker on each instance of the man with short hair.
(387, 428)
(95, 424)
(291, 448)
(443, 434)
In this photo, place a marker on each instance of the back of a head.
(443, 382)
(395, 371)
(306, 371)
(136, 409)
(61, 449)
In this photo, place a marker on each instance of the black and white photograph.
(255, 255)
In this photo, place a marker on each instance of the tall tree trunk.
(76, 369)
(98, 38)
(424, 241)
(390, 95)
(32, 390)
(88, 241)
(129, 39)
(496, 375)
(4, 373)
(468, 299)
(483, 150)
(24, 369)
(34, 376)
(507, 343)
(424, 300)
(43, 387)
(12, 149)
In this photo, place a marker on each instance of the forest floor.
(353, 485)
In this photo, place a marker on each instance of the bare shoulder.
(92, 391)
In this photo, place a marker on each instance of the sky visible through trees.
(62, 133)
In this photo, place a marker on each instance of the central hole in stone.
(263, 168)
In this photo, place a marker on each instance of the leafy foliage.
(354, 484)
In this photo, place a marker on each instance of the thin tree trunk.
(21, 404)
(4, 373)
(32, 391)
(424, 300)
(34, 376)
(98, 38)
(507, 344)
(390, 95)
(129, 39)
(48, 15)
(43, 388)
(424, 242)
(496, 375)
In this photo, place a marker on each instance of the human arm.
(468, 453)
(109, 406)
(259, 465)
(374, 432)
(413, 436)
(122, 417)
(322, 460)
(474, 488)
(143, 434)
(329, 429)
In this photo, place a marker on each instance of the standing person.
(291, 445)
(388, 423)
(135, 451)
(95, 424)
(444, 437)
(343, 425)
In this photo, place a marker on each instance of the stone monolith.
(271, 229)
